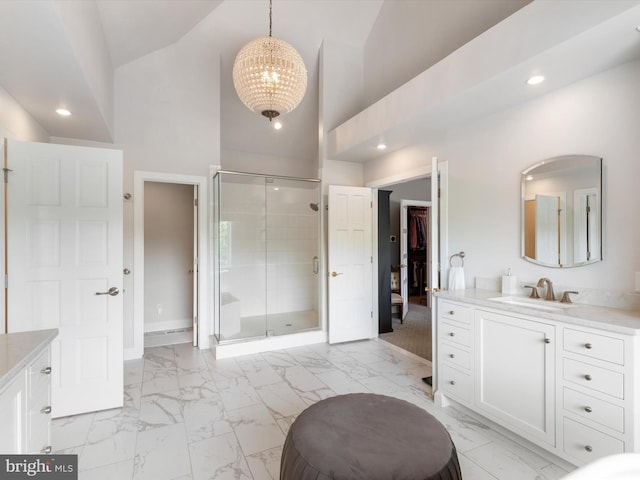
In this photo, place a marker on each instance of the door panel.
(350, 264)
(404, 258)
(64, 252)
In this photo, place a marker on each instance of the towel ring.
(461, 255)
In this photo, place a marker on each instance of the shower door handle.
(316, 262)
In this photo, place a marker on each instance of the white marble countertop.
(603, 318)
(18, 350)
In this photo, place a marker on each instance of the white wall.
(395, 52)
(16, 123)
(168, 256)
(598, 116)
(81, 21)
(413, 190)
(254, 162)
(166, 120)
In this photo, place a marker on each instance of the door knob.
(335, 274)
(113, 291)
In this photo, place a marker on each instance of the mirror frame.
(569, 161)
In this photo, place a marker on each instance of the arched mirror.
(562, 211)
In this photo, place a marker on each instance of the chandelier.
(269, 75)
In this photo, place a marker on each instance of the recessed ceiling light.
(277, 125)
(529, 177)
(63, 112)
(381, 146)
(535, 80)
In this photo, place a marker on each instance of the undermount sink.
(545, 305)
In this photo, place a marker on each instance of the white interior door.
(547, 229)
(404, 253)
(64, 256)
(350, 264)
(434, 231)
(434, 259)
(404, 257)
(196, 254)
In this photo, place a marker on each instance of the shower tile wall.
(291, 245)
(242, 269)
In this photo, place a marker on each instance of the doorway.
(201, 319)
(408, 206)
(170, 248)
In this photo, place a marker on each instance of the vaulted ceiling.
(50, 55)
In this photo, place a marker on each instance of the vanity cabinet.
(570, 389)
(515, 378)
(455, 334)
(595, 406)
(25, 409)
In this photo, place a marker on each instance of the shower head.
(313, 206)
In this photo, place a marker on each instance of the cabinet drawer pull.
(451, 334)
(47, 449)
(588, 377)
(46, 409)
(452, 382)
(588, 448)
(46, 370)
(452, 312)
(588, 409)
(588, 346)
(452, 355)
(547, 340)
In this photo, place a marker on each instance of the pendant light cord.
(270, 15)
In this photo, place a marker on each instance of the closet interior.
(418, 270)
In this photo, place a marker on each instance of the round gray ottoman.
(369, 437)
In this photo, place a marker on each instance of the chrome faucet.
(549, 290)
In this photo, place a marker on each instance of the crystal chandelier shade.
(269, 76)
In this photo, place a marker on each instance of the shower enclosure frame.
(292, 260)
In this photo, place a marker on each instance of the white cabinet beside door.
(25, 409)
(516, 373)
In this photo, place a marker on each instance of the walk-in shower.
(266, 255)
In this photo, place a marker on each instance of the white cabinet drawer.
(586, 444)
(454, 355)
(454, 311)
(594, 345)
(454, 333)
(594, 409)
(455, 383)
(590, 376)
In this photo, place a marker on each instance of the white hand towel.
(456, 278)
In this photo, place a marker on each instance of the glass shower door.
(241, 263)
(292, 221)
(266, 262)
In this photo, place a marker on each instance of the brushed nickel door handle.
(113, 291)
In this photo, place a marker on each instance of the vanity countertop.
(603, 318)
(18, 350)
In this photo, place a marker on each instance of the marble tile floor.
(189, 416)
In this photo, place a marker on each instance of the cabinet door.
(38, 431)
(514, 381)
(12, 406)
